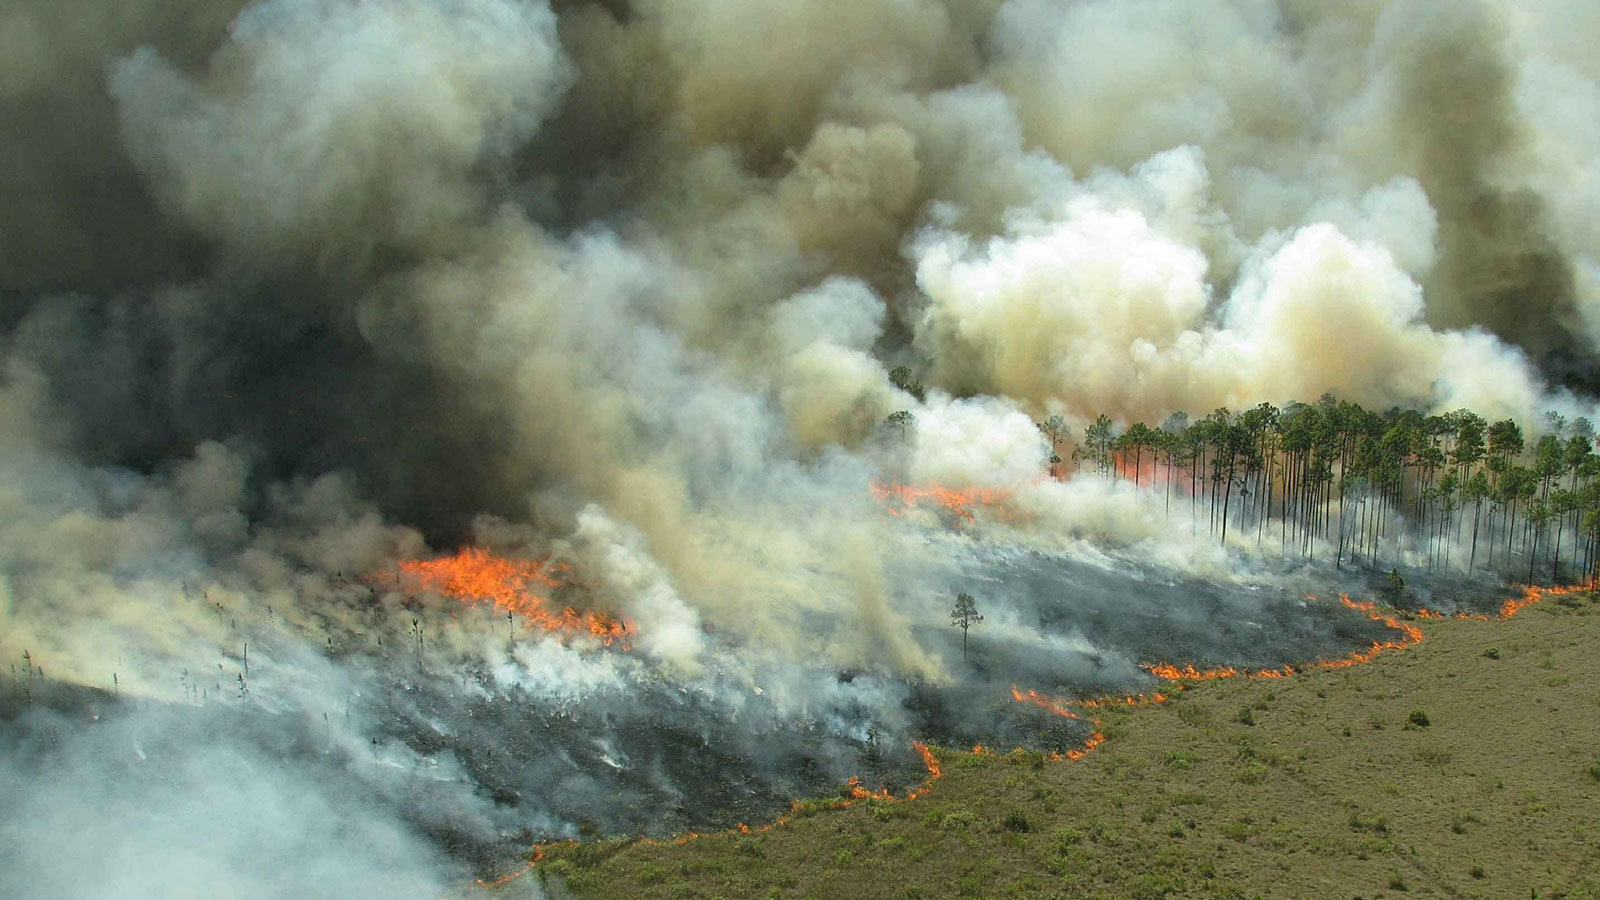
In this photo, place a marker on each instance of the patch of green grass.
(973, 761)
(1252, 773)
(1241, 830)
(1433, 756)
(1031, 758)
(1154, 887)
(1373, 824)
(883, 811)
(958, 820)
(1016, 820)
(803, 808)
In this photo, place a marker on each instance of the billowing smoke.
(299, 291)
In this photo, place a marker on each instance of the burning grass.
(1410, 636)
(520, 587)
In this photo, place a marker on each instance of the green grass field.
(1465, 766)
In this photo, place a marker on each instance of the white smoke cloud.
(214, 817)
(981, 442)
(1100, 312)
(622, 571)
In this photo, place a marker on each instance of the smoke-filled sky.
(296, 289)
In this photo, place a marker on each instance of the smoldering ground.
(296, 289)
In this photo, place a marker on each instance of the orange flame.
(857, 792)
(1096, 738)
(1062, 707)
(956, 501)
(1044, 702)
(1169, 672)
(477, 576)
(1410, 636)
(506, 879)
(1531, 595)
(932, 764)
(853, 786)
(1129, 700)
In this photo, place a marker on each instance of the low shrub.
(1016, 820)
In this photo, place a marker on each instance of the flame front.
(931, 762)
(1532, 594)
(897, 497)
(1063, 707)
(1410, 635)
(1047, 703)
(514, 586)
(956, 501)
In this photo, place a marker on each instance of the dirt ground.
(1465, 766)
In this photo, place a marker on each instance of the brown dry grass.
(1333, 792)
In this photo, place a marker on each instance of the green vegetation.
(1186, 802)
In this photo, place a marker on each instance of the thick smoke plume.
(296, 291)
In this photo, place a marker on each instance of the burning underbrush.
(573, 733)
(493, 700)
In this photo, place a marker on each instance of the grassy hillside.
(1465, 766)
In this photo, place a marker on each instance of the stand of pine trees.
(1332, 479)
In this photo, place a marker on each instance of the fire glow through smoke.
(959, 502)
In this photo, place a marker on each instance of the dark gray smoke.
(294, 290)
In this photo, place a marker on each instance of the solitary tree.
(901, 423)
(964, 616)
